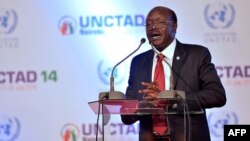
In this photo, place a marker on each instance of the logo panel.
(101, 24)
(67, 25)
(9, 128)
(8, 24)
(8, 21)
(218, 120)
(219, 15)
(105, 70)
(70, 132)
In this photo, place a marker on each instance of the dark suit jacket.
(193, 73)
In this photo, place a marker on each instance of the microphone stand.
(112, 94)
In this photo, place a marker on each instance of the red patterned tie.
(160, 120)
(159, 75)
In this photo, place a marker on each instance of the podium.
(174, 106)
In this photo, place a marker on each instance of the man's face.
(160, 30)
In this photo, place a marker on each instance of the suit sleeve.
(211, 92)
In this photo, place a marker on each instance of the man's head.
(161, 25)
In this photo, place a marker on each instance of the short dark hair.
(173, 15)
(171, 12)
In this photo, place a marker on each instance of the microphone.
(169, 93)
(112, 94)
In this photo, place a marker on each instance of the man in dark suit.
(193, 73)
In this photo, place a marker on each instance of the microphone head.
(143, 40)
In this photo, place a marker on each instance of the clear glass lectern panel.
(140, 107)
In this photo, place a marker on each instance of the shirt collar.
(168, 52)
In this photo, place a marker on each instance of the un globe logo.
(105, 69)
(219, 15)
(9, 128)
(218, 119)
(8, 21)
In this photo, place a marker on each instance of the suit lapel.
(178, 60)
(147, 66)
(145, 70)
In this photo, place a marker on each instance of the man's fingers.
(152, 85)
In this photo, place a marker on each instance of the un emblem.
(105, 70)
(9, 128)
(217, 120)
(8, 21)
(219, 15)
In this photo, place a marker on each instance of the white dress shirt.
(168, 52)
